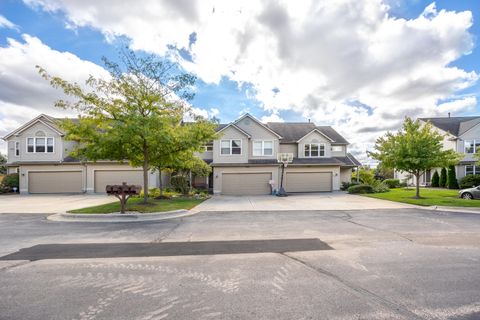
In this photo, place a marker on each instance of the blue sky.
(284, 74)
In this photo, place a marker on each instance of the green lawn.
(135, 204)
(430, 197)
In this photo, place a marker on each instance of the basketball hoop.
(284, 159)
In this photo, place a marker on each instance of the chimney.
(449, 114)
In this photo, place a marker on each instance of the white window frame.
(262, 154)
(17, 148)
(474, 148)
(310, 150)
(231, 147)
(474, 167)
(35, 144)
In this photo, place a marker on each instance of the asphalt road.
(374, 264)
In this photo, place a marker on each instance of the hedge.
(472, 180)
(392, 183)
(361, 188)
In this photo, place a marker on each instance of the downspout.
(358, 174)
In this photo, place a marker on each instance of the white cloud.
(214, 112)
(272, 118)
(23, 93)
(326, 58)
(5, 23)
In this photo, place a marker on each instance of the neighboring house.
(39, 153)
(461, 134)
(244, 160)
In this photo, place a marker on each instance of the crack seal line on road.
(168, 233)
(360, 292)
(20, 263)
(349, 218)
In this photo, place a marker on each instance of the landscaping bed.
(429, 197)
(136, 205)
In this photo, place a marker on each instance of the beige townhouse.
(243, 158)
(461, 134)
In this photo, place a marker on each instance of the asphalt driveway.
(306, 201)
(50, 203)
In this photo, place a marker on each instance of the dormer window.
(313, 150)
(40, 145)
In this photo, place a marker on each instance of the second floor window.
(314, 150)
(17, 149)
(471, 146)
(229, 147)
(263, 148)
(40, 145)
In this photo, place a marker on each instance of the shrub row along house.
(461, 134)
(244, 160)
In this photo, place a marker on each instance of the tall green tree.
(383, 172)
(443, 178)
(414, 149)
(452, 182)
(134, 113)
(3, 161)
(435, 180)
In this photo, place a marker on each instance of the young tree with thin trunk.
(133, 113)
(415, 149)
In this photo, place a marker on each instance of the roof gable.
(44, 119)
(452, 125)
(247, 115)
(317, 131)
(232, 125)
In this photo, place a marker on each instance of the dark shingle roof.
(348, 161)
(293, 131)
(454, 125)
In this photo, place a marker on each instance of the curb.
(453, 209)
(118, 217)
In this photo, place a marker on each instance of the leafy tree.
(383, 172)
(435, 179)
(415, 149)
(443, 178)
(3, 161)
(135, 114)
(452, 182)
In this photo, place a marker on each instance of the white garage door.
(106, 177)
(55, 182)
(246, 183)
(308, 181)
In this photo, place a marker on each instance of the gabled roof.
(318, 131)
(236, 127)
(454, 125)
(294, 131)
(258, 122)
(43, 118)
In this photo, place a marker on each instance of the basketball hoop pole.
(281, 192)
(284, 159)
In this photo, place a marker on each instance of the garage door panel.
(308, 181)
(246, 183)
(55, 182)
(106, 177)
